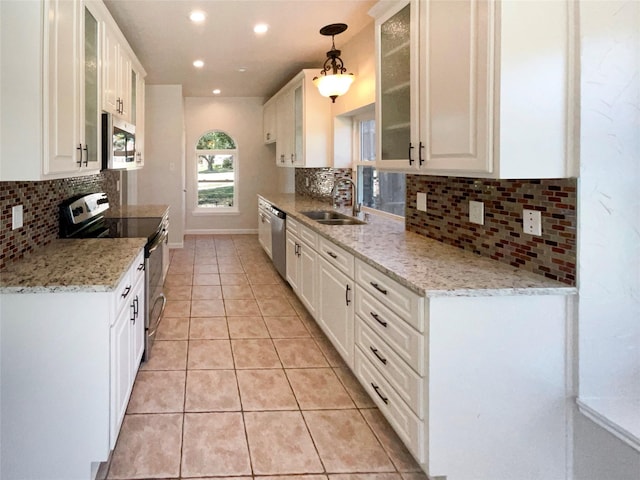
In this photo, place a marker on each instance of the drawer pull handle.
(126, 292)
(331, 254)
(380, 357)
(141, 267)
(377, 389)
(376, 317)
(136, 307)
(378, 287)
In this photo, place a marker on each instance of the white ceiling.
(167, 42)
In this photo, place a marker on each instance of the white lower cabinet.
(475, 386)
(335, 308)
(264, 229)
(127, 345)
(468, 383)
(302, 263)
(82, 351)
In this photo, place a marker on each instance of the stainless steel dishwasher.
(278, 240)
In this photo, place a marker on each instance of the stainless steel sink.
(331, 217)
(341, 221)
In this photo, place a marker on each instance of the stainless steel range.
(83, 216)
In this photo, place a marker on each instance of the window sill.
(215, 211)
(619, 416)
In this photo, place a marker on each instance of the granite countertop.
(82, 265)
(137, 211)
(425, 266)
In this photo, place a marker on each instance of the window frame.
(199, 210)
(357, 162)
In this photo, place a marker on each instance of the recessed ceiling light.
(261, 28)
(242, 69)
(216, 91)
(198, 64)
(197, 16)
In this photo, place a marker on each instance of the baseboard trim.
(222, 231)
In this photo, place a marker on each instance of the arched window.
(217, 171)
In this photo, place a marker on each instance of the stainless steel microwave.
(118, 144)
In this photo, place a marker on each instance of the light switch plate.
(421, 202)
(532, 222)
(16, 217)
(476, 212)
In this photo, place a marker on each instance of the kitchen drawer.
(408, 427)
(408, 384)
(405, 303)
(123, 292)
(308, 236)
(137, 270)
(336, 256)
(406, 342)
(293, 226)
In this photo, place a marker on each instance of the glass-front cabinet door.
(397, 74)
(91, 145)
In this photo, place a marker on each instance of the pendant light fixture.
(333, 80)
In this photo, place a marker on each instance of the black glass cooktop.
(133, 227)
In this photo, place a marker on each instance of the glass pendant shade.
(333, 86)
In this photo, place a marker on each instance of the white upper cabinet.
(269, 121)
(52, 88)
(137, 114)
(479, 88)
(116, 94)
(303, 124)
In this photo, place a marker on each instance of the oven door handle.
(164, 304)
(158, 240)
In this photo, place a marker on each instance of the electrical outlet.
(476, 212)
(532, 222)
(421, 202)
(16, 217)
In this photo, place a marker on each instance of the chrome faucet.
(354, 194)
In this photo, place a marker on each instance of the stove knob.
(77, 211)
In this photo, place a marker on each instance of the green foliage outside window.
(215, 163)
(215, 141)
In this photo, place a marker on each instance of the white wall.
(241, 118)
(609, 231)
(161, 181)
(359, 58)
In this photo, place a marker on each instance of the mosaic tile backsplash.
(501, 237)
(317, 183)
(41, 216)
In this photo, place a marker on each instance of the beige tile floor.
(242, 383)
